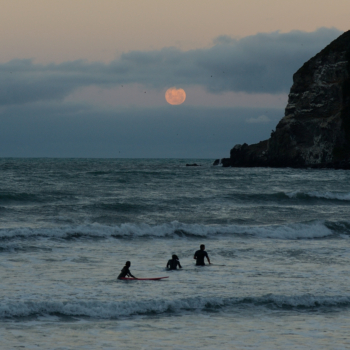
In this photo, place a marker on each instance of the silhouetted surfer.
(199, 255)
(125, 271)
(173, 263)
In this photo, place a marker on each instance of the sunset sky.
(85, 78)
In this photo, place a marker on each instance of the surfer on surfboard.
(199, 255)
(173, 263)
(125, 271)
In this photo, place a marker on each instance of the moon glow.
(175, 96)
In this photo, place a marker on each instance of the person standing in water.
(199, 255)
(125, 271)
(173, 263)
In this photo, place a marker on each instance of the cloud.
(262, 119)
(261, 63)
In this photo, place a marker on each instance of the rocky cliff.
(315, 131)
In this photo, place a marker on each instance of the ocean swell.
(8, 197)
(306, 230)
(341, 196)
(108, 310)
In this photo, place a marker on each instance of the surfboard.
(142, 279)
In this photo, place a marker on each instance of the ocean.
(278, 240)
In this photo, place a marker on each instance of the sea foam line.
(322, 195)
(108, 310)
(308, 230)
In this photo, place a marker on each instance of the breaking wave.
(108, 310)
(322, 195)
(306, 230)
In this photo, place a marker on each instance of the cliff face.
(315, 131)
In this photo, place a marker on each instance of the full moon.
(175, 96)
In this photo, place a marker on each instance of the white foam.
(316, 229)
(318, 194)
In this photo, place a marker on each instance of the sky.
(82, 78)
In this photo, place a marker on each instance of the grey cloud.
(262, 63)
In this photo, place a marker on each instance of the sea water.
(278, 240)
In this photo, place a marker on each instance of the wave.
(321, 195)
(108, 310)
(287, 196)
(306, 230)
(100, 172)
(6, 197)
(13, 248)
(119, 207)
(18, 197)
(43, 197)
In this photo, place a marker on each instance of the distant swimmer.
(125, 271)
(199, 255)
(173, 263)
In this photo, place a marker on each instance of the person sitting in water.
(125, 271)
(173, 263)
(199, 255)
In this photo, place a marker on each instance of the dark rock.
(216, 162)
(315, 131)
(194, 164)
(226, 162)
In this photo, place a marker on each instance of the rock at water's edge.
(194, 164)
(315, 131)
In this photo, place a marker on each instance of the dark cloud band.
(255, 64)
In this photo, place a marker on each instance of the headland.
(315, 130)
